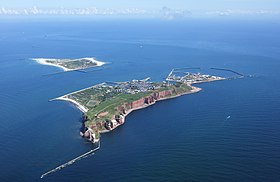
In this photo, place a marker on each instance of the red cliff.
(145, 101)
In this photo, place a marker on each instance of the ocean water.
(182, 139)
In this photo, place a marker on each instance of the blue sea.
(189, 138)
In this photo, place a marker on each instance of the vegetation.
(73, 63)
(111, 105)
(106, 99)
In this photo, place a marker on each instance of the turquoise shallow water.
(183, 139)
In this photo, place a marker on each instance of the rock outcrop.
(125, 109)
(90, 135)
(151, 99)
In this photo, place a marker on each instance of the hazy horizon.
(177, 9)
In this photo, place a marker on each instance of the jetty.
(229, 70)
(91, 152)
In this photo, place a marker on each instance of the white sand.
(43, 61)
(98, 63)
(78, 105)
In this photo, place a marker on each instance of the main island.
(106, 105)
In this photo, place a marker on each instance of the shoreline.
(43, 61)
(82, 108)
(115, 123)
(194, 90)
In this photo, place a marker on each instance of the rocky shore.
(125, 109)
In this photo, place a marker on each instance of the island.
(70, 64)
(106, 105)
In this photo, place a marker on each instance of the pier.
(170, 73)
(71, 161)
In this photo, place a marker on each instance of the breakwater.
(185, 68)
(89, 153)
(229, 70)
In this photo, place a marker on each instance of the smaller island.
(106, 105)
(70, 64)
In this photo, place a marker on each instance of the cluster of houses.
(191, 78)
(136, 86)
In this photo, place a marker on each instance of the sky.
(147, 4)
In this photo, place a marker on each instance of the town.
(190, 78)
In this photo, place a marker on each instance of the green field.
(107, 99)
(73, 63)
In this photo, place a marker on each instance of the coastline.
(90, 135)
(98, 63)
(82, 108)
(43, 61)
(194, 90)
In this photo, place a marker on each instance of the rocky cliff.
(123, 110)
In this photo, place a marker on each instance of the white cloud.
(243, 12)
(165, 12)
(170, 14)
(76, 11)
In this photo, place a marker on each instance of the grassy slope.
(111, 104)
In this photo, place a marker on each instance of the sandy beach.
(43, 61)
(78, 105)
(98, 63)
